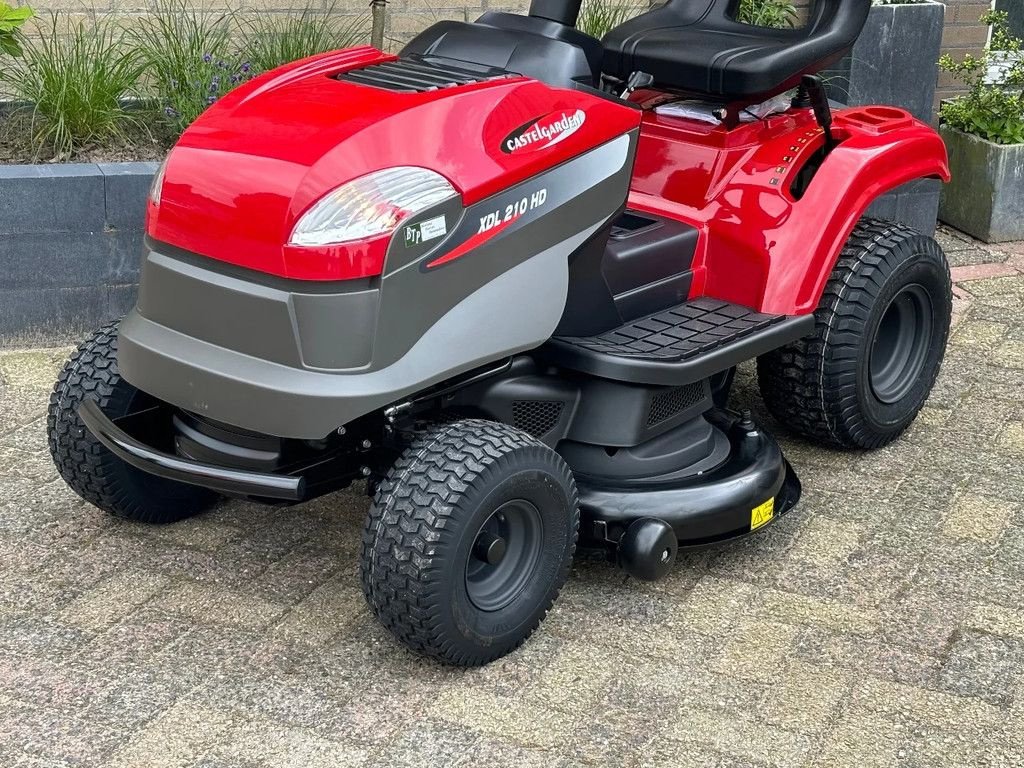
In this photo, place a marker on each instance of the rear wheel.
(92, 471)
(469, 540)
(880, 336)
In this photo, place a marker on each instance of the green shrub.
(767, 13)
(271, 40)
(190, 60)
(597, 17)
(76, 76)
(991, 110)
(11, 20)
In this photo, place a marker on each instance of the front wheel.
(880, 335)
(92, 471)
(469, 540)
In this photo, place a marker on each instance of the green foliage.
(271, 40)
(190, 60)
(11, 20)
(767, 13)
(597, 17)
(991, 110)
(75, 76)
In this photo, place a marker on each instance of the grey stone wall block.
(51, 198)
(126, 187)
(894, 61)
(71, 239)
(915, 204)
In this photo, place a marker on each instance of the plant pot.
(986, 196)
(894, 61)
(1016, 10)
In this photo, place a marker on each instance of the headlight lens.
(157, 187)
(370, 205)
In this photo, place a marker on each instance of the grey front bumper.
(206, 342)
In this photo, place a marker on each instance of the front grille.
(672, 402)
(536, 417)
(413, 74)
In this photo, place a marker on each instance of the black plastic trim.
(415, 74)
(154, 462)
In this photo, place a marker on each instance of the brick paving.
(879, 624)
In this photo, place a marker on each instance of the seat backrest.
(698, 46)
(840, 19)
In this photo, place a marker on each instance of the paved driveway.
(880, 623)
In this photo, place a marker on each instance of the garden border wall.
(70, 243)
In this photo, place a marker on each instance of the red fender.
(762, 246)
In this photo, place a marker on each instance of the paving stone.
(983, 665)
(112, 599)
(978, 517)
(868, 657)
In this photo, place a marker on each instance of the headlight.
(371, 205)
(158, 183)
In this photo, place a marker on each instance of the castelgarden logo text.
(543, 132)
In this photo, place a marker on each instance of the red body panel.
(760, 246)
(243, 174)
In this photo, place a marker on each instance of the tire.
(92, 471)
(880, 336)
(430, 531)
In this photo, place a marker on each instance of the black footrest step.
(686, 343)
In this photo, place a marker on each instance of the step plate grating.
(678, 333)
(676, 346)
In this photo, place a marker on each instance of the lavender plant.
(190, 60)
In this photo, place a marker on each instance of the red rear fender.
(764, 247)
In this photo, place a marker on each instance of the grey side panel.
(589, 188)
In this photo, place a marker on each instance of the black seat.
(697, 46)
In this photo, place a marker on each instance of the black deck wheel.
(469, 540)
(87, 466)
(880, 336)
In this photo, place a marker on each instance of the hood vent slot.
(415, 74)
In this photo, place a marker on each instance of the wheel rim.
(901, 344)
(504, 556)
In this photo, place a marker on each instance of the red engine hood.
(243, 173)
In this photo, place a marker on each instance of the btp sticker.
(427, 230)
(762, 513)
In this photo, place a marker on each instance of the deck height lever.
(812, 94)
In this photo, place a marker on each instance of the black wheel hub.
(901, 343)
(504, 556)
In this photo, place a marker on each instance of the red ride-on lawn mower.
(505, 276)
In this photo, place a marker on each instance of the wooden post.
(378, 13)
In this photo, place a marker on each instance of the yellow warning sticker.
(762, 513)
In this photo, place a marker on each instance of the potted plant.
(984, 132)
